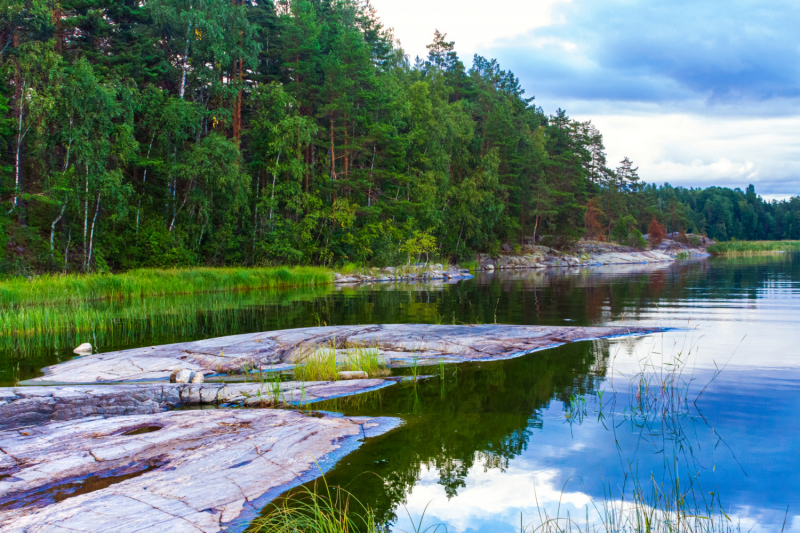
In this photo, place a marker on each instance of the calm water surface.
(558, 431)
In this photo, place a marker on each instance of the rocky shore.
(110, 446)
(585, 254)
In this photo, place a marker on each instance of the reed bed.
(51, 289)
(734, 248)
(24, 329)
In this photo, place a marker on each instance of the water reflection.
(477, 443)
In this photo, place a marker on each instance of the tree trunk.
(20, 139)
(86, 222)
(53, 229)
(91, 235)
(185, 62)
(144, 181)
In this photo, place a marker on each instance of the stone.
(83, 349)
(197, 378)
(277, 349)
(186, 470)
(26, 406)
(182, 376)
(351, 374)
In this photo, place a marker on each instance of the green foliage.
(422, 242)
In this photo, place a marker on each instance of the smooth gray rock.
(27, 406)
(188, 470)
(398, 344)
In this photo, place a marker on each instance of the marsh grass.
(317, 509)
(27, 328)
(152, 282)
(739, 248)
(323, 363)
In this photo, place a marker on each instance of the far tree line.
(231, 132)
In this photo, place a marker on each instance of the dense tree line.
(183, 132)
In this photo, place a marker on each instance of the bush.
(656, 233)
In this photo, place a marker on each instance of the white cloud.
(700, 151)
(472, 24)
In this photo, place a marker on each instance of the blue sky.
(696, 93)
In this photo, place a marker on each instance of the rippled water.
(558, 431)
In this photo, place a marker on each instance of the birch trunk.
(20, 138)
(185, 62)
(86, 221)
(53, 229)
(91, 236)
(144, 181)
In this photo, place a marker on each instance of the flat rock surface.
(25, 406)
(174, 471)
(399, 344)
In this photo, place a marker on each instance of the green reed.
(323, 363)
(50, 289)
(752, 247)
(27, 328)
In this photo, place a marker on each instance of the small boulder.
(352, 374)
(184, 376)
(83, 349)
(197, 378)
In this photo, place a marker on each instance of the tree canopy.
(217, 132)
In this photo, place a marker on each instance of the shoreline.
(139, 455)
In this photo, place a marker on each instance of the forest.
(166, 133)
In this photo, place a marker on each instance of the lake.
(707, 409)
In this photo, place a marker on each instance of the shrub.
(656, 233)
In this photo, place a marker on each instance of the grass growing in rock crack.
(323, 363)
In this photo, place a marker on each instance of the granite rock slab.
(398, 344)
(176, 471)
(26, 406)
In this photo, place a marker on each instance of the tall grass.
(334, 510)
(323, 363)
(27, 328)
(153, 282)
(733, 248)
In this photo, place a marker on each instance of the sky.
(696, 93)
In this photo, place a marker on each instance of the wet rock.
(188, 470)
(83, 349)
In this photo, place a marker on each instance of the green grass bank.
(153, 282)
(734, 248)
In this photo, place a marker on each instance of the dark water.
(564, 430)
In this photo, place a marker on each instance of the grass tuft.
(325, 362)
